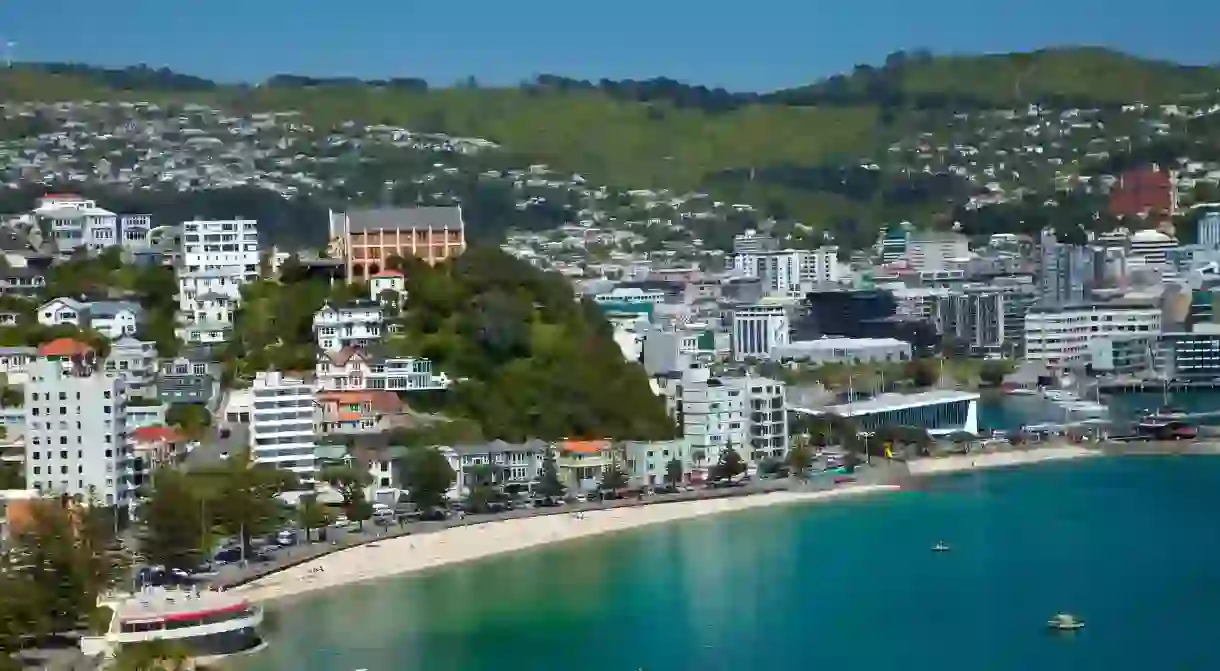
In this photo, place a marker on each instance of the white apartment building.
(790, 272)
(750, 414)
(1061, 337)
(758, 329)
(282, 423)
(217, 258)
(1152, 246)
(356, 370)
(75, 222)
(356, 324)
(75, 426)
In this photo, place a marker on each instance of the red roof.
(390, 273)
(64, 347)
(156, 434)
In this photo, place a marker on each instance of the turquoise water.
(1130, 545)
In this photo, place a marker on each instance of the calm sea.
(1130, 545)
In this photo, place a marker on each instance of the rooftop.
(64, 347)
(403, 218)
(884, 402)
(158, 604)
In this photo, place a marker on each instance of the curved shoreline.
(403, 555)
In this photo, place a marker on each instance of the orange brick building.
(366, 239)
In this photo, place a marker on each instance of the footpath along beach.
(984, 460)
(408, 554)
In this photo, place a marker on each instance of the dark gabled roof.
(404, 218)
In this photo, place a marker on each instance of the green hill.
(663, 133)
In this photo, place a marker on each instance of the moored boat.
(206, 623)
(1064, 622)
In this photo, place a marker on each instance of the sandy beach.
(969, 462)
(407, 554)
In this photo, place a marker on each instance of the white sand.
(968, 462)
(405, 554)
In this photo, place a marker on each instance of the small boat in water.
(940, 547)
(1064, 622)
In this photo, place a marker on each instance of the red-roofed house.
(388, 280)
(65, 348)
(155, 447)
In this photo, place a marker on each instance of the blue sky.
(755, 45)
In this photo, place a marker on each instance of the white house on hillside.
(357, 324)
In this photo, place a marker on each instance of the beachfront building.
(362, 412)
(748, 414)
(75, 426)
(510, 464)
(647, 462)
(366, 239)
(581, 463)
(1060, 336)
(282, 429)
(940, 412)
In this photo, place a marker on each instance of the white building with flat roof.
(282, 424)
(1060, 337)
(939, 412)
(789, 272)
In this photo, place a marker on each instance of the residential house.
(115, 319)
(356, 324)
(511, 463)
(21, 281)
(13, 363)
(647, 462)
(351, 412)
(155, 447)
(9, 318)
(581, 463)
(392, 281)
(352, 369)
(191, 377)
(64, 312)
(136, 362)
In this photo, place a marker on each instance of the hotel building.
(366, 239)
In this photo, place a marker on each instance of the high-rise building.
(76, 439)
(935, 250)
(752, 242)
(1061, 337)
(367, 239)
(757, 329)
(1066, 273)
(217, 258)
(282, 422)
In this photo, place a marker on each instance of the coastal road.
(338, 539)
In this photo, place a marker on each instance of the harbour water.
(1129, 545)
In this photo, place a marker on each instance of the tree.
(800, 459)
(428, 476)
(359, 511)
(992, 372)
(191, 418)
(673, 472)
(613, 478)
(64, 553)
(548, 479)
(312, 515)
(242, 498)
(349, 481)
(12, 476)
(173, 533)
(729, 466)
(155, 655)
(923, 372)
(480, 498)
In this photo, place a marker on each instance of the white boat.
(208, 624)
(1064, 622)
(940, 547)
